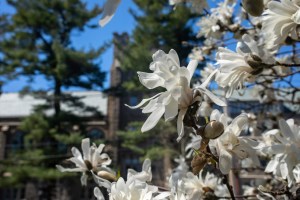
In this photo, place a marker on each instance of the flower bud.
(253, 7)
(106, 175)
(213, 130)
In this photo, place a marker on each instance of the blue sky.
(122, 22)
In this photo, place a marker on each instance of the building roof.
(12, 105)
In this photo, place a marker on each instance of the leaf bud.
(107, 175)
(253, 7)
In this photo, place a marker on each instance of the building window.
(15, 141)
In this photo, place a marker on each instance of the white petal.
(150, 80)
(225, 163)
(180, 127)
(171, 110)
(173, 54)
(153, 119)
(192, 67)
(143, 102)
(85, 146)
(98, 194)
(109, 10)
(83, 179)
(213, 97)
(286, 130)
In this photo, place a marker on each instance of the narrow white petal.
(153, 119)
(98, 194)
(180, 127)
(143, 102)
(85, 146)
(225, 163)
(192, 67)
(213, 97)
(171, 110)
(109, 10)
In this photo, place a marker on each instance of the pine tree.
(37, 41)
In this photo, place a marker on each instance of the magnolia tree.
(265, 35)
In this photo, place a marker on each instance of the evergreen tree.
(37, 41)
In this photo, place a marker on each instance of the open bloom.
(168, 74)
(136, 186)
(281, 20)
(197, 185)
(241, 66)
(92, 160)
(230, 143)
(109, 10)
(284, 147)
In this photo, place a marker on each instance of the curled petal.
(109, 10)
(180, 127)
(143, 102)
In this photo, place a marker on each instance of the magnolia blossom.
(241, 66)
(168, 74)
(197, 186)
(210, 25)
(136, 186)
(230, 143)
(284, 147)
(109, 10)
(280, 21)
(92, 160)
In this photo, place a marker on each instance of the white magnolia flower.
(241, 66)
(197, 186)
(109, 10)
(210, 25)
(284, 147)
(92, 160)
(280, 21)
(230, 143)
(168, 74)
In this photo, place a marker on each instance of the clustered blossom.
(283, 145)
(281, 19)
(237, 68)
(211, 25)
(136, 186)
(231, 143)
(168, 74)
(91, 160)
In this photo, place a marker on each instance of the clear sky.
(122, 22)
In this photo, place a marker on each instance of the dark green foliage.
(37, 41)
(153, 144)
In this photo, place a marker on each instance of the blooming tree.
(265, 35)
